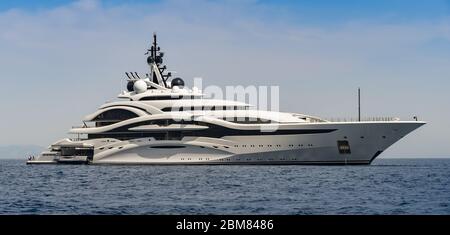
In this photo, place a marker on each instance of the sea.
(388, 186)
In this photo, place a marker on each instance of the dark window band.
(212, 132)
(168, 147)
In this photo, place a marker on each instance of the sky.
(60, 59)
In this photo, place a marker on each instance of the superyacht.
(158, 120)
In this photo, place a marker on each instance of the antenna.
(137, 75)
(128, 76)
(154, 47)
(359, 104)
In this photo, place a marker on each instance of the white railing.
(84, 126)
(366, 119)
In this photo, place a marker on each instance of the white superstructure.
(162, 122)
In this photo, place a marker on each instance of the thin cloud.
(63, 62)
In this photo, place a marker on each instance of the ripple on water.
(387, 187)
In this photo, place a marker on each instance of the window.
(247, 120)
(74, 151)
(113, 116)
(213, 131)
(204, 108)
(166, 97)
(168, 147)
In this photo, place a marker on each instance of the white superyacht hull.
(343, 143)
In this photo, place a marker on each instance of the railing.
(84, 126)
(78, 139)
(367, 119)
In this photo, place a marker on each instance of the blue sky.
(62, 59)
(316, 11)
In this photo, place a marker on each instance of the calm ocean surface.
(388, 186)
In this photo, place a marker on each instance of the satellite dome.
(140, 86)
(175, 89)
(130, 86)
(177, 82)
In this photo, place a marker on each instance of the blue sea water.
(388, 186)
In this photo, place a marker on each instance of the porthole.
(384, 137)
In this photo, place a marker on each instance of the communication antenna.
(359, 104)
(128, 76)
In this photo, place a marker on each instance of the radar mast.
(157, 68)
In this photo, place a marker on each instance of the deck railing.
(366, 119)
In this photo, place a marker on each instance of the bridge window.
(166, 97)
(113, 116)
